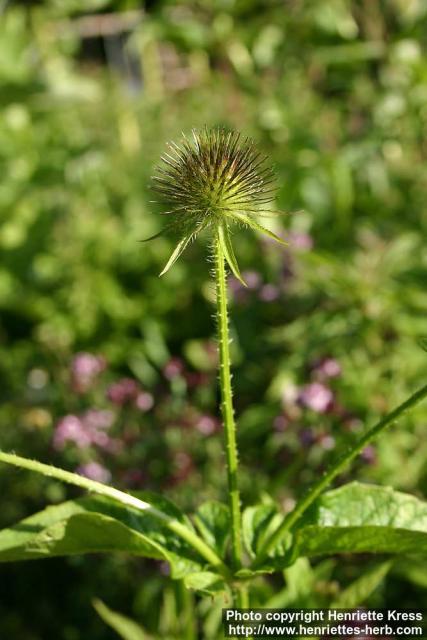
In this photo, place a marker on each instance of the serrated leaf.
(227, 248)
(359, 591)
(357, 503)
(363, 518)
(124, 626)
(356, 518)
(423, 343)
(98, 524)
(212, 519)
(367, 539)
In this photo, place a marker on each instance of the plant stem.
(227, 404)
(180, 529)
(242, 597)
(289, 520)
(187, 617)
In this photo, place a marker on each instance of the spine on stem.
(227, 404)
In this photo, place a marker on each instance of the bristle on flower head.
(211, 180)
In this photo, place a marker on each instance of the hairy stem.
(227, 404)
(289, 520)
(180, 529)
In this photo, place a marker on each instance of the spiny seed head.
(213, 176)
(212, 180)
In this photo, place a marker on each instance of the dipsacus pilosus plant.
(213, 181)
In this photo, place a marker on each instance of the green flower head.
(213, 180)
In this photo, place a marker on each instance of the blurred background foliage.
(107, 369)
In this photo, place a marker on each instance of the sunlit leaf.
(255, 226)
(257, 523)
(179, 250)
(227, 248)
(359, 518)
(93, 525)
(213, 521)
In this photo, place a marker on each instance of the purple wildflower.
(327, 368)
(207, 425)
(96, 419)
(123, 391)
(173, 368)
(85, 367)
(253, 279)
(94, 471)
(144, 401)
(317, 397)
(238, 291)
(300, 241)
(269, 293)
(71, 428)
(86, 430)
(327, 442)
(369, 455)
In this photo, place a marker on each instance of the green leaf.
(177, 252)
(300, 579)
(80, 533)
(94, 525)
(357, 503)
(213, 522)
(227, 248)
(257, 523)
(360, 590)
(366, 539)
(179, 529)
(255, 226)
(413, 569)
(125, 627)
(205, 582)
(360, 518)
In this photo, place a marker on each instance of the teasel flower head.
(213, 180)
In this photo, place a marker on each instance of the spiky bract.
(211, 180)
